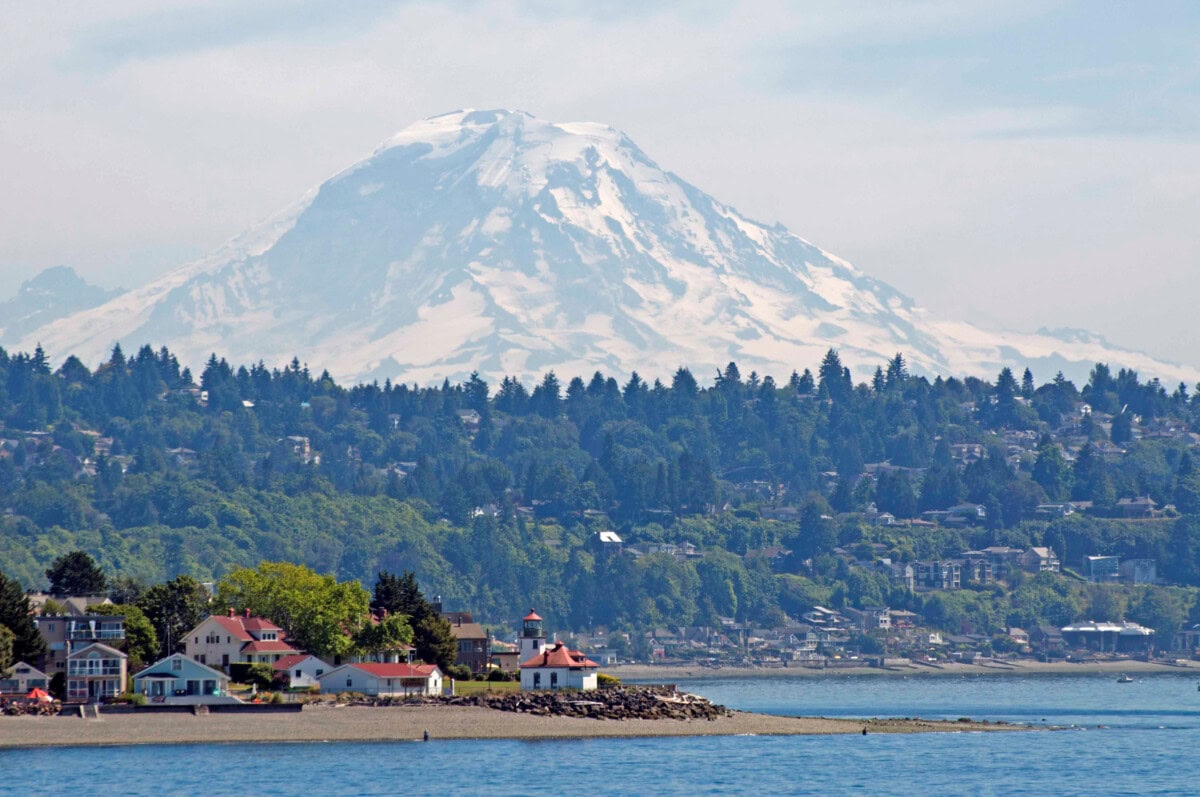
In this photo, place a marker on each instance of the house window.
(553, 680)
(177, 665)
(299, 673)
(319, 673)
(349, 682)
(537, 680)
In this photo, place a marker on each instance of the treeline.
(493, 494)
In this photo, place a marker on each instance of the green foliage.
(390, 633)
(76, 573)
(7, 638)
(141, 642)
(174, 608)
(16, 615)
(252, 674)
(317, 612)
(606, 681)
(459, 672)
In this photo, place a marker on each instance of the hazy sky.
(1020, 164)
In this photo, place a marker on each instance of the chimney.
(247, 612)
(231, 611)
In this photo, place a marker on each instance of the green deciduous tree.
(141, 643)
(174, 608)
(319, 613)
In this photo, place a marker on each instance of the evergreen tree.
(17, 616)
(76, 573)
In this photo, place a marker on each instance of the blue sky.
(1022, 164)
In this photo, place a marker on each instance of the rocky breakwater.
(615, 703)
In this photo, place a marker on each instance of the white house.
(300, 671)
(180, 680)
(21, 678)
(559, 667)
(383, 680)
(223, 639)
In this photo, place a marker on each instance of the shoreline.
(669, 673)
(409, 723)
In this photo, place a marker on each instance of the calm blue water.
(1147, 747)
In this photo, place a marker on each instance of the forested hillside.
(494, 494)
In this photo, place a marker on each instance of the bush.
(260, 675)
(606, 681)
(136, 699)
(459, 672)
(498, 675)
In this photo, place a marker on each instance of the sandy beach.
(352, 723)
(669, 673)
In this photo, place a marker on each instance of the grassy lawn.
(479, 687)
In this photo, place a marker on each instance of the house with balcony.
(95, 672)
(67, 633)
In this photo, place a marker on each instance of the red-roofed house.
(300, 671)
(384, 680)
(559, 667)
(223, 639)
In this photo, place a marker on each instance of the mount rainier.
(496, 242)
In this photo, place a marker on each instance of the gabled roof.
(233, 625)
(468, 631)
(559, 656)
(161, 668)
(98, 646)
(288, 662)
(390, 670)
(268, 646)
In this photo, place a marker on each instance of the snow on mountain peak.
(494, 241)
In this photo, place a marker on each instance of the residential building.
(1101, 568)
(300, 671)
(474, 643)
(559, 667)
(942, 574)
(180, 680)
(1141, 507)
(383, 680)
(1104, 637)
(1040, 560)
(22, 677)
(1138, 571)
(221, 640)
(870, 619)
(67, 633)
(95, 672)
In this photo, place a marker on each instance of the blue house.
(179, 680)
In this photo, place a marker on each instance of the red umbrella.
(40, 695)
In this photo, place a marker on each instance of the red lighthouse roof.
(532, 616)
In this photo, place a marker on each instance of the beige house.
(95, 672)
(225, 639)
(66, 633)
(22, 677)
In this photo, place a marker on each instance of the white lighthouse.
(532, 641)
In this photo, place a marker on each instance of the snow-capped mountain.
(54, 293)
(496, 242)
